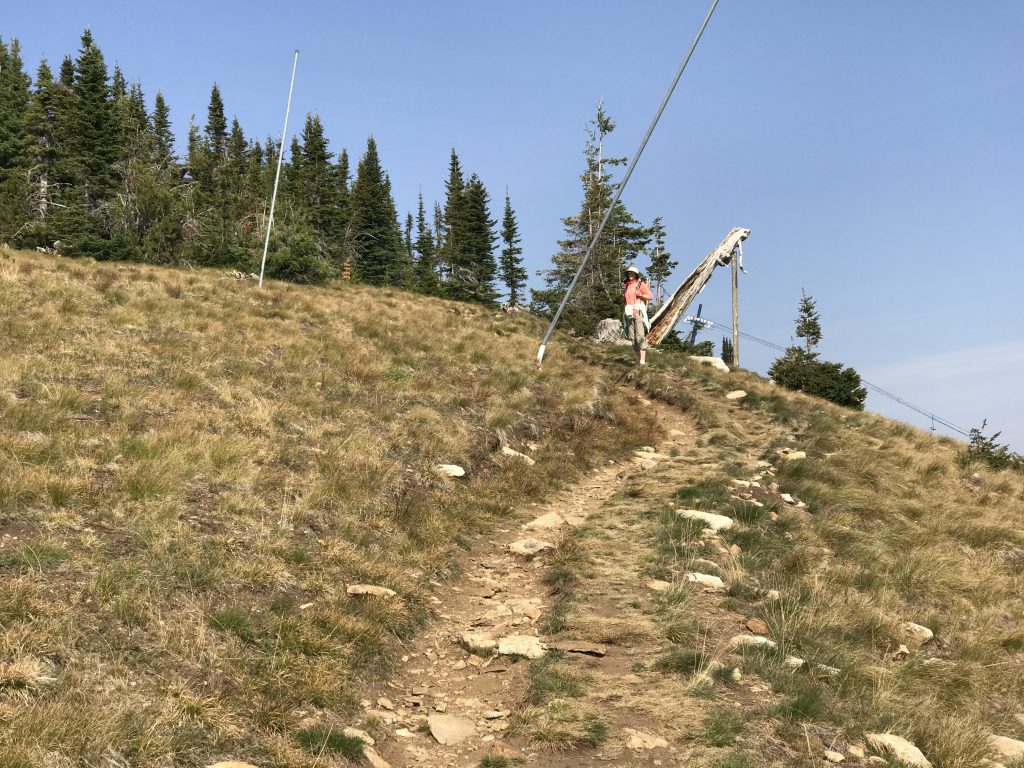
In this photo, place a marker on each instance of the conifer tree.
(598, 292)
(216, 125)
(163, 136)
(661, 265)
(409, 252)
(344, 180)
(474, 268)
(41, 142)
(14, 100)
(118, 85)
(375, 233)
(513, 274)
(449, 251)
(808, 322)
(727, 350)
(426, 276)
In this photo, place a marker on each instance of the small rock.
(773, 595)
(370, 589)
(715, 362)
(648, 464)
(477, 642)
(405, 733)
(751, 641)
(494, 714)
(705, 580)
(579, 646)
(355, 733)
(385, 703)
(714, 522)
(741, 483)
(834, 757)
(793, 662)
(527, 646)
(757, 626)
(736, 674)
(736, 394)
(506, 451)
(529, 547)
(898, 748)
(902, 653)
(451, 470)
(375, 760)
(1006, 748)
(787, 498)
(856, 751)
(793, 455)
(916, 633)
(658, 585)
(450, 729)
(735, 550)
(644, 740)
(546, 522)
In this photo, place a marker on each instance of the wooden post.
(735, 310)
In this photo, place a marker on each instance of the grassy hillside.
(890, 528)
(192, 471)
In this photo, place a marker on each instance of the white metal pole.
(277, 176)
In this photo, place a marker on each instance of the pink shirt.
(637, 290)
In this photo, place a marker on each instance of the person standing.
(637, 294)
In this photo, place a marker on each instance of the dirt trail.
(471, 693)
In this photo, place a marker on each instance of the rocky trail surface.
(520, 669)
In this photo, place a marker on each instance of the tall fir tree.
(473, 268)
(375, 234)
(661, 265)
(216, 124)
(163, 135)
(426, 275)
(14, 102)
(598, 292)
(513, 274)
(449, 250)
(407, 239)
(41, 142)
(808, 322)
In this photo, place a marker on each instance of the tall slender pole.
(625, 180)
(735, 310)
(277, 176)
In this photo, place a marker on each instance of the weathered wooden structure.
(668, 314)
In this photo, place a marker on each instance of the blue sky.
(874, 148)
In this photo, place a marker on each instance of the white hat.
(631, 268)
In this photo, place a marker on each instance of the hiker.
(635, 318)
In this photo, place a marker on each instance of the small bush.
(988, 452)
(804, 372)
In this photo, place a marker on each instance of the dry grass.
(192, 471)
(895, 531)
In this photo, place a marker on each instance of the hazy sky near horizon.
(875, 149)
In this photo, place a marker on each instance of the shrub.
(989, 452)
(804, 372)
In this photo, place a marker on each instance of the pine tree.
(808, 322)
(118, 85)
(41, 141)
(449, 250)
(513, 274)
(598, 292)
(216, 125)
(426, 276)
(163, 136)
(14, 100)
(375, 232)
(407, 241)
(474, 268)
(661, 260)
(727, 350)
(319, 189)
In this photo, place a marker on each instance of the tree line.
(87, 169)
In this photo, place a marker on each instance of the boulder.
(526, 646)
(897, 748)
(370, 589)
(450, 729)
(736, 394)
(610, 331)
(514, 454)
(715, 362)
(478, 642)
(714, 522)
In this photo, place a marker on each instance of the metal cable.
(622, 185)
